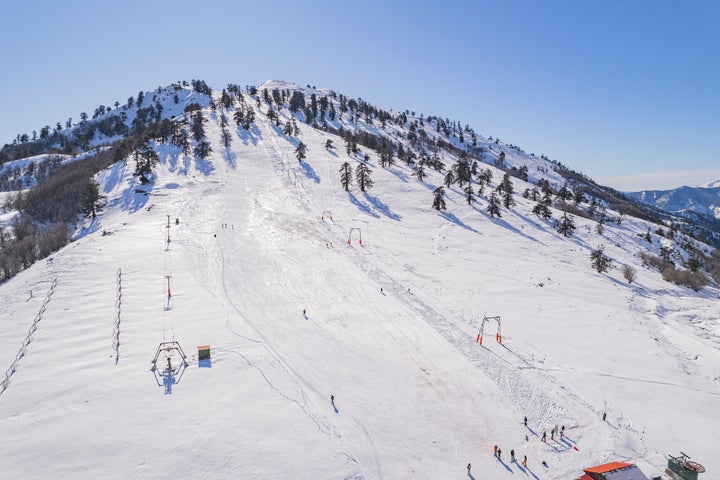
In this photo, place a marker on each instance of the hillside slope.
(389, 331)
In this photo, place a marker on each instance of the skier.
(469, 469)
(544, 437)
(604, 416)
(524, 462)
(495, 450)
(499, 453)
(544, 464)
(525, 421)
(512, 455)
(381, 290)
(332, 399)
(552, 434)
(562, 432)
(304, 313)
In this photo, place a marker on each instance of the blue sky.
(627, 92)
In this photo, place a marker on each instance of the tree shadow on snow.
(400, 175)
(173, 161)
(93, 227)
(382, 207)
(248, 136)
(309, 172)
(205, 167)
(503, 223)
(451, 217)
(115, 177)
(362, 206)
(230, 158)
(135, 197)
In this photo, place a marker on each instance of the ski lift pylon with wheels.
(169, 373)
(498, 335)
(359, 234)
(171, 349)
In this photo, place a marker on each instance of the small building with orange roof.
(613, 471)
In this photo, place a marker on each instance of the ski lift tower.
(169, 373)
(682, 468)
(498, 335)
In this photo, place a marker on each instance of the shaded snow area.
(259, 267)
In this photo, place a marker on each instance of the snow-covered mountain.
(714, 184)
(701, 200)
(306, 292)
(698, 208)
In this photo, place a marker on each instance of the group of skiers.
(497, 451)
(553, 433)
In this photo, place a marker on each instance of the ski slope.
(389, 330)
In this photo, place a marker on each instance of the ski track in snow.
(506, 371)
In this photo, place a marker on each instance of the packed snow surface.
(265, 265)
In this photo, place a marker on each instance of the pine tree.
(564, 194)
(92, 201)
(461, 170)
(469, 194)
(179, 135)
(288, 129)
(297, 101)
(145, 160)
(485, 177)
(350, 144)
(203, 150)
(420, 172)
(493, 207)
(567, 225)
(273, 116)
(386, 159)
(439, 199)
(599, 260)
(345, 176)
(507, 192)
(300, 151)
(362, 175)
(542, 210)
(249, 118)
(224, 132)
(198, 126)
(226, 137)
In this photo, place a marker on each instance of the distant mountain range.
(703, 200)
(699, 205)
